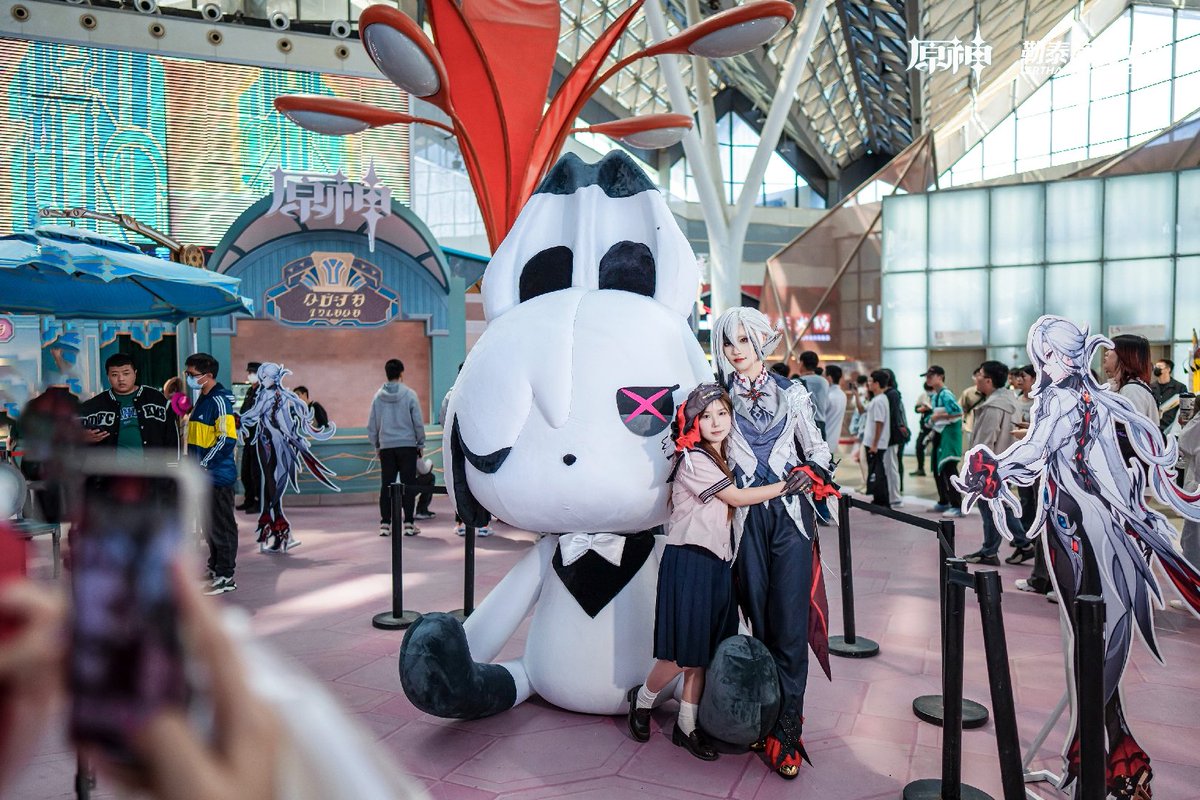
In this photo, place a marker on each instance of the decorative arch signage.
(335, 289)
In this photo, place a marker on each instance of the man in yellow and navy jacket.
(212, 438)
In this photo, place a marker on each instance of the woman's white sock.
(645, 697)
(686, 721)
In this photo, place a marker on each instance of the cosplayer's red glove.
(804, 474)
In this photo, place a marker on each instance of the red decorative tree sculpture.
(494, 80)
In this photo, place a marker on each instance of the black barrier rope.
(1089, 687)
(927, 708)
(398, 618)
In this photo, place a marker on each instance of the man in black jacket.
(129, 417)
(251, 469)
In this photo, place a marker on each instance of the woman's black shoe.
(639, 718)
(695, 743)
(1020, 555)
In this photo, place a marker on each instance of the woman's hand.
(241, 760)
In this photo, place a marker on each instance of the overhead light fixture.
(334, 116)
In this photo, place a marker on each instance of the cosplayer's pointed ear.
(469, 509)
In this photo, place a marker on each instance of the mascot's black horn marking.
(616, 174)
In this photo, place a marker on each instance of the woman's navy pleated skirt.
(695, 610)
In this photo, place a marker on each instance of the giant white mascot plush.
(557, 425)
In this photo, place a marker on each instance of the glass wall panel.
(904, 229)
(1016, 303)
(1018, 224)
(1139, 215)
(958, 229)
(1073, 220)
(1188, 230)
(908, 365)
(904, 309)
(958, 308)
(1150, 109)
(1187, 298)
(1138, 293)
(1073, 292)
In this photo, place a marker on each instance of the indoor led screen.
(183, 145)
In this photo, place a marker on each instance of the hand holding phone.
(127, 661)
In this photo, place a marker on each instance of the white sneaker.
(1052, 596)
(953, 513)
(221, 586)
(410, 529)
(385, 529)
(484, 531)
(1025, 586)
(1179, 604)
(460, 529)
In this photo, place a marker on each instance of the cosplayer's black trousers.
(774, 583)
(251, 473)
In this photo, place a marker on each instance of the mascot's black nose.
(568, 459)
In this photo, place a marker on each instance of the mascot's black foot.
(440, 678)
(741, 693)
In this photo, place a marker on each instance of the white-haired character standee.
(282, 424)
(1100, 535)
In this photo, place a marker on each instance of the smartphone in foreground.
(127, 660)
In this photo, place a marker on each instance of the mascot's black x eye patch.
(646, 410)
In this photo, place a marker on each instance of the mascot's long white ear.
(596, 226)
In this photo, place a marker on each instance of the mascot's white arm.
(497, 618)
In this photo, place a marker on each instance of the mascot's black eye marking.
(628, 266)
(646, 410)
(547, 271)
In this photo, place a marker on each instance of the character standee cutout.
(1100, 536)
(284, 426)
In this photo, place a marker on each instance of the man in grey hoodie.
(995, 418)
(397, 431)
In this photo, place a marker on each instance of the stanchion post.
(951, 787)
(397, 618)
(1008, 744)
(952, 684)
(848, 645)
(931, 707)
(1089, 684)
(468, 575)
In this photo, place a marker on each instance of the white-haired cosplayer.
(557, 425)
(778, 566)
(281, 424)
(1100, 536)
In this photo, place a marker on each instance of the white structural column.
(726, 224)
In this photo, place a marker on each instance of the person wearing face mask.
(1166, 392)
(212, 439)
(251, 469)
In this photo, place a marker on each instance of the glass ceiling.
(858, 96)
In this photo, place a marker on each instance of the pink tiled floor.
(316, 603)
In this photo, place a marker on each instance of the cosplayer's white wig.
(762, 336)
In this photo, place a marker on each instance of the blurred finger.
(212, 647)
(177, 764)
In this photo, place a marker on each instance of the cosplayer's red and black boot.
(784, 748)
(281, 535)
(1129, 772)
(263, 530)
